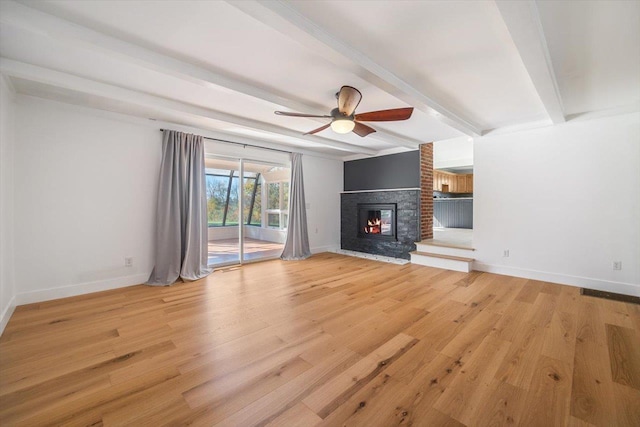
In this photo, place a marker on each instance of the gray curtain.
(181, 222)
(297, 244)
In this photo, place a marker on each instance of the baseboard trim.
(563, 279)
(6, 314)
(79, 289)
(320, 249)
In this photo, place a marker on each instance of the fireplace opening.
(377, 221)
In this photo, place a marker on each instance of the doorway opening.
(453, 193)
(247, 210)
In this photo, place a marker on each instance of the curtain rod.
(238, 143)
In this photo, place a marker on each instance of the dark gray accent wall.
(407, 223)
(400, 170)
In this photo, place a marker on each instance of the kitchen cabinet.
(461, 184)
(453, 183)
(440, 179)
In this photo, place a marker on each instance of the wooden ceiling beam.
(155, 103)
(285, 19)
(523, 22)
(29, 19)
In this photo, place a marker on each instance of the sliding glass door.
(265, 225)
(247, 204)
(222, 177)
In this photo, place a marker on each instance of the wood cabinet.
(452, 183)
(461, 186)
(440, 180)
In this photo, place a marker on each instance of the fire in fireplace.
(374, 225)
(377, 221)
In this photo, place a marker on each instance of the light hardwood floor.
(329, 341)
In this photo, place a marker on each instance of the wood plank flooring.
(329, 341)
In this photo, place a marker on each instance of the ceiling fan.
(344, 119)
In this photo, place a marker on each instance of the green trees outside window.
(217, 189)
(252, 195)
(222, 198)
(274, 196)
(278, 204)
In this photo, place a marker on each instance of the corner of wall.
(6, 314)
(326, 248)
(7, 143)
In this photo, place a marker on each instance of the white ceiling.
(467, 67)
(595, 50)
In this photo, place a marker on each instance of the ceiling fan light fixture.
(345, 119)
(342, 125)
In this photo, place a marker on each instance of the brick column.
(426, 191)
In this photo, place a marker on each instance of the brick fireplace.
(387, 204)
(398, 211)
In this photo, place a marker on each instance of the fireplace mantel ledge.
(376, 191)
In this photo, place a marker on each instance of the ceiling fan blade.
(348, 99)
(286, 113)
(362, 130)
(321, 128)
(385, 115)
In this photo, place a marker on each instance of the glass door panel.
(247, 210)
(222, 180)
(265, 209)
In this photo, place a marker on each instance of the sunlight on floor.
(226, 250)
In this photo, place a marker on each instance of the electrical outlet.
(617, 265)
(128, 262)
(505, 253)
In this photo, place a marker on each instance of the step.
(442, 243)
(440, 248)
(447, 262)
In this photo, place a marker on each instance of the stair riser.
(447, 264)
(442, 250)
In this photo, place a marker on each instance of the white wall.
(565, 202)
(265, 233)
(323, 182)
(454, 152)
(222, 233)
(7, 138)
(85, 196)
